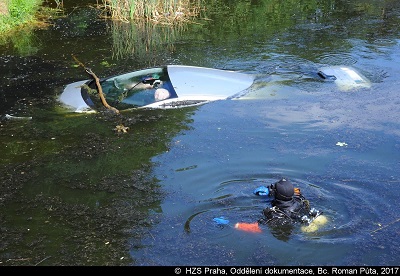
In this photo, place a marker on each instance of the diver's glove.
(221, 220)
(261, 191)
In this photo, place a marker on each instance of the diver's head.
(283, 189)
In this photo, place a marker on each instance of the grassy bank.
(17, 13)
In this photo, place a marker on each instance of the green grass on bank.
(17, 13)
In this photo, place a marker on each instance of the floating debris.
(121, 128)
(341, 144)
(12, 117)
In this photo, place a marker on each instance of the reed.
(144, 40)
(158, 11)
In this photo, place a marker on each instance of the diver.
(288, 207)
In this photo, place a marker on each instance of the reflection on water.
(144, 40)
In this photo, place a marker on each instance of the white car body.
(186, 85)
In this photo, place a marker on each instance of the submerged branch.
(99, 88)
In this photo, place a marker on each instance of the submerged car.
(162, 87)
(345, 78)
(173, 86)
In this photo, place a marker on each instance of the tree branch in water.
(99, 88)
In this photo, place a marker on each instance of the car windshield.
(135, 89)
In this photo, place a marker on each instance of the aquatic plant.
(158, 11)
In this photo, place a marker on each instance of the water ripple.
(340, 58)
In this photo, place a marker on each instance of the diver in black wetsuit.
(288, 207)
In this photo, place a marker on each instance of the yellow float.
(317, 223)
